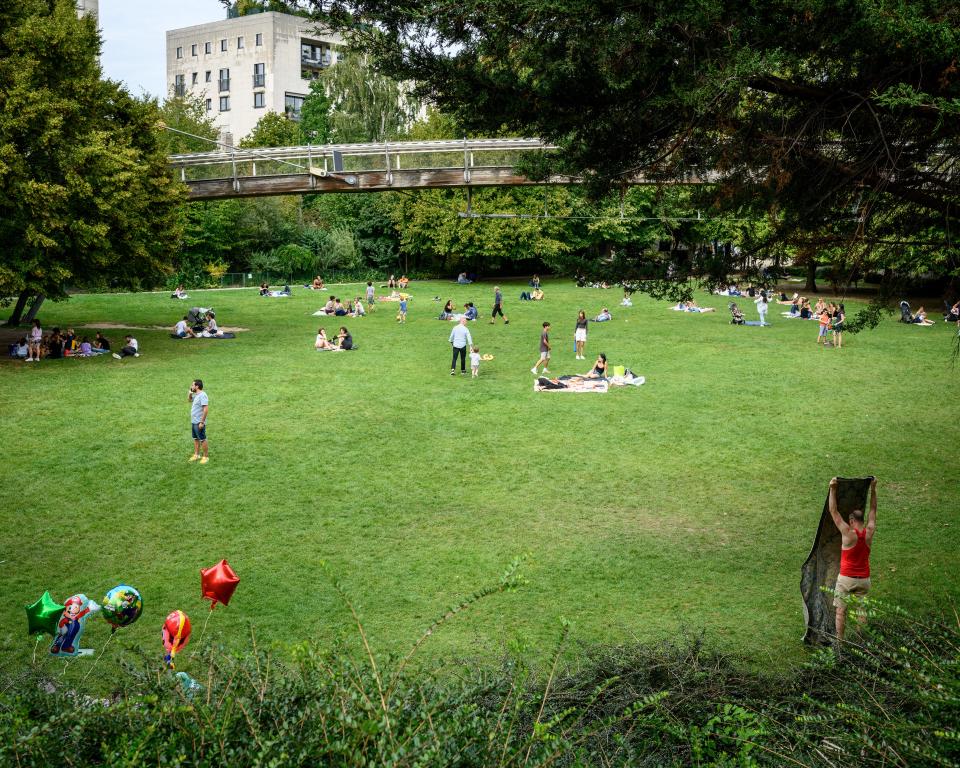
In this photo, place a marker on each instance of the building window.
(239, 43)
(259, 38)
(179, 85)
(224, 103)
(259, 75)
(224, 79)
(292, 104)
(193, 79)
(223, 44)
(179, 52)
(207, 76)
(259, 99)
(209, 104)
(208, 47)
(193, 49)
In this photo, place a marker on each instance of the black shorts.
(497, 310)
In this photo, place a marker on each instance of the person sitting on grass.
(470, 311)
(70, 342)
(131, 348)
(627, 301)
(264, 289)
(599, 370)
(953, 314)
(322, 342)
(819, 307)
(179, 293)
(338, 309)
(358, 310)
(344, 341)
(212, 328)
(317, 284)
(462, 279)
(403, 282)
(536, 295)
(86, 348)
(54, 345)
(921, 317)
(19, 349)
(448, 309)
(101, 344)
(183, 331)
(805, 312)
(603, 317)
(392, 282)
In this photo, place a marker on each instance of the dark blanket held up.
(823, 564)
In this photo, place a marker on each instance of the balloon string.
(97, 660)
(202, 631)
(36, 645)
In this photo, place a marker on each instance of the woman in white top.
(762, 306)
(322, 342)
(33, 343)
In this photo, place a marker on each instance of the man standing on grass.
(498, 306)
(544, 351)
(198, 420)
(857, 538)
(460, 339)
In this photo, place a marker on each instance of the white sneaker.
(533, 371)
(116, 355)
(136, 354)
(546, 370)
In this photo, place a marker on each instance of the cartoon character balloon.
(44, 615)
(217, 583)
(76, 611)
(122, 606)
(176, 634)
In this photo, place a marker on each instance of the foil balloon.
(122, 606)
(176, 634)
(217, 583)
(43, 615)
(76, 611)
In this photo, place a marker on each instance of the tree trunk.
(17, 313)
(34, 308)
(811, 286)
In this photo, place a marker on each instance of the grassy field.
(690, 502)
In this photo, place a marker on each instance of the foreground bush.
(891, 698)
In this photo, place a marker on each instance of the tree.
(273, 130)
(85, 192)
(838, 123)
(364, 104)
(315, 114)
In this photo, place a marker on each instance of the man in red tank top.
(857, 539)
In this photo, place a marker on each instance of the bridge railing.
(346, 158)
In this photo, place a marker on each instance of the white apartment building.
(89, 8)
(244, 67)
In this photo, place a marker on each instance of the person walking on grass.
(474, 361)
(580, 334)
(498, 306)
(856, 542)
(544, 351)
(460, 339)
(199, 407)
(371, 304)
(402, 314)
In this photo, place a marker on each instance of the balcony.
(259, 81)
(319, 61)
(225, 85)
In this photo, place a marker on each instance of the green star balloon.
(43, 616)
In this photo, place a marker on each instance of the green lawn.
(690, 502)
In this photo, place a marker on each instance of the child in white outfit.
(475, 361)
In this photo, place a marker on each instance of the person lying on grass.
(691, 306)
(603, 317)
(921, 317)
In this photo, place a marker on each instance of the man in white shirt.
(182, 330)
(460, 339)
(130, 349)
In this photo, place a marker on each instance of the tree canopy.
(837, 122)
(85, 193)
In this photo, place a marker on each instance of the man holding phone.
(199, 405)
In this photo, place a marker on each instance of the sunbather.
(921, 317)
(603, 317)
(599, 370)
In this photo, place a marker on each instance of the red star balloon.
(217, 583)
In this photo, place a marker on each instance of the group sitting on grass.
(449, 311)
(342, 342)
(265, 291)
(336, 308)
(56, 345)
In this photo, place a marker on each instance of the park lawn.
(686, 504)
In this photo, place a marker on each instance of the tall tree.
(85, 193)
(838, 122)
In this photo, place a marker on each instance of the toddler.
(402, 315)
(475, 361)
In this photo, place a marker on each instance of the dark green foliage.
(891, 698)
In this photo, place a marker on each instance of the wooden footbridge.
(400, 165)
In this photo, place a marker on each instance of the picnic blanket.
(570, 384)
(822, 565)
(225, 335)
(337, 349)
